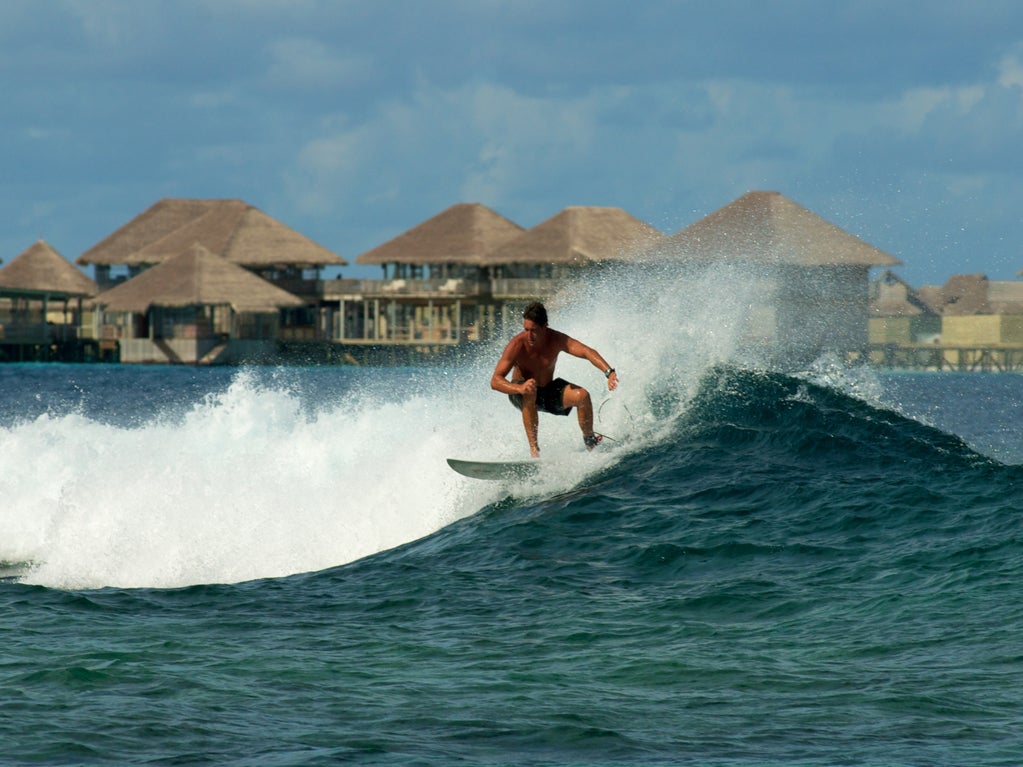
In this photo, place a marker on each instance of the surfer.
(532, 355)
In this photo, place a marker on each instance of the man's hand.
(528, 387)
(612, 381)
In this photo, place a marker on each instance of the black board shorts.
(548, 398)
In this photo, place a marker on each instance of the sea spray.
(663, 325)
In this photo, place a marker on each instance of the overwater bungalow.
(232, 229)
(568, 246)
(435, 279)
(809, 279)
(43, 305)
(899, 314)
(195, 308)
(981, 323)
(463, 274)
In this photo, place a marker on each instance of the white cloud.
(299, 62)
(36, 133)
(116, 30)
(208, 99)
(912, 108)
(104, 23)
(477, 142)
(334, 155)
(1010, 69)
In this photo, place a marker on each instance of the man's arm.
(579, 349)
(499, 380)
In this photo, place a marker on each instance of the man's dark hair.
(535, 312)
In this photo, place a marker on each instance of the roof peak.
(232, 228)
(41, 269)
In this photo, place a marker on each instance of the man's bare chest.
(537, 363)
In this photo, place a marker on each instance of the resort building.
(807, 278)
(434, 277)
(462, 275)
(196, 308)
(901, 315)
(969, 323)
(44, 312)
(200, 237)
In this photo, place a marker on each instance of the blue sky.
(900, 121)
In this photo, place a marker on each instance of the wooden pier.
(938, 357)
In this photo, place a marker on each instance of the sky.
(351, 121)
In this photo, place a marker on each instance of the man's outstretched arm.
(579, 349)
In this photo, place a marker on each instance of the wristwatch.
(608, 372)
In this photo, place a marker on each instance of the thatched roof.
(41, 269)
(932, 297)
(972, 294)
(965, 294)
(231, 229)
(462, 234)
(1005, 297)
(196, 277)
(767, 227)
(579, 235)
(892, 296)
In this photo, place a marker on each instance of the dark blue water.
(787, 575)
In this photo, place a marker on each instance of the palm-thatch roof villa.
(462, 274)
(195, 308)
(807, 278)
(232, 229)
(235, 233)
(436, 278)
(969, 323)
(42, 305)
(566, 247)
(899, 314)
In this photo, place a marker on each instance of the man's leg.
(579, 398)
(531, 422)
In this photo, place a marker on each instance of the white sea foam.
(250, 485)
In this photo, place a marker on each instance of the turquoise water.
(274, 567)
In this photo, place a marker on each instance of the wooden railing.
(500, 288)
(524, 287)
(432, 288)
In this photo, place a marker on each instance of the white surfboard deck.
(495, 469)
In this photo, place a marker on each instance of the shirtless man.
(532, 355)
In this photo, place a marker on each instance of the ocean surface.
(276, 567)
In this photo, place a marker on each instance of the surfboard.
(495, 469)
